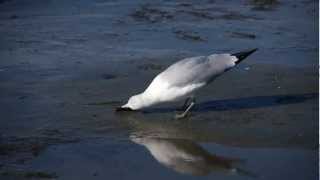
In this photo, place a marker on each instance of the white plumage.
(187, 157)
(184, 77)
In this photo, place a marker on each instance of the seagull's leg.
(186, 102)
(178, 116)
(187, 110)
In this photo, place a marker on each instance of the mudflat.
(65, 66)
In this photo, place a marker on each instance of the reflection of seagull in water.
(181, 79)
(185, 156)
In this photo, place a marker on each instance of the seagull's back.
(200, 69)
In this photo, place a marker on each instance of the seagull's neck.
(147, 100)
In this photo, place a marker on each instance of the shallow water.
(65, 66)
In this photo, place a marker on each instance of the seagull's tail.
(242, 55)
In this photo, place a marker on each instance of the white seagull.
(187, 157)
(180, 80)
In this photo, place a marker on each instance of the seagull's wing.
(187, 75)
(197, 70)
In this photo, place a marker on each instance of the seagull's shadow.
(244, 103)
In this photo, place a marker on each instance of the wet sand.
(65, 66)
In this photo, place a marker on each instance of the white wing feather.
(187, 75)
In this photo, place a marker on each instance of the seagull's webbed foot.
(180, 116)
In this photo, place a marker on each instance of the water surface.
(65, 66)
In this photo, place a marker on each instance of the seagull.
(187, 157)
(180, 80)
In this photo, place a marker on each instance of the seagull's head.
(134, 103)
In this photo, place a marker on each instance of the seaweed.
(242, 35)
(150, 66)
(29, 174)
(152, 15)
(106, 103)
(108, 76)
(188, 35)
(264, 5)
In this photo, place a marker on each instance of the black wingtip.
(121, 109)
(242, 55)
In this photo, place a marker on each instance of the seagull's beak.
(242, 55)
(119, 109)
